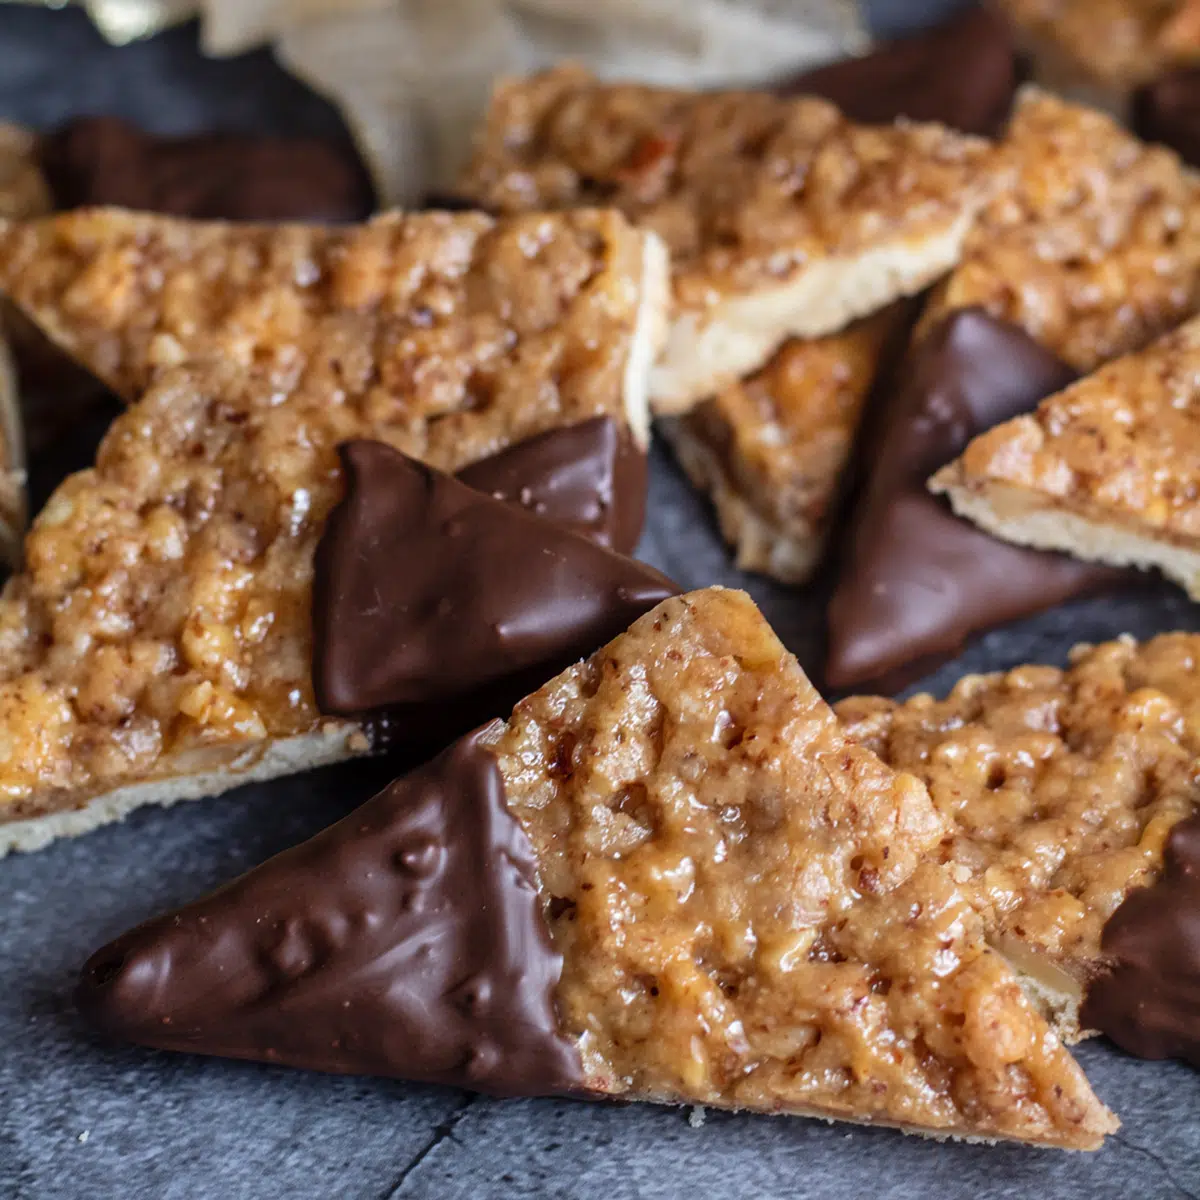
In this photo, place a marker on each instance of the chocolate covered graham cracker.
(158, 643)
(1107, 470)
(93, 161)
(782, 217)
(1073, 800)
(772, 450)
(667, 877)
(1103, 234)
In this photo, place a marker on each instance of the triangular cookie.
(157, 644)
(782, 217)
(1108, 470)
(431, 306)
(771, 451)
(916, 581)
(1066, 791)
(737, 908)
(438, 606)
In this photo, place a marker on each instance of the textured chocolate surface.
(406, 940)
(1168, 111)
(443, 606)
(918, 581)
(1149, 1002)
(212, 176)
(962, 73)
(589, 478)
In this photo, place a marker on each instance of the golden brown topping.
(1108, 469)
(782, 217)
(439, 309)
(162, 622)
(1060, 787)
(771, 450)
(744, 187)
(1096, 250)
(746, 902)
(1118, 42)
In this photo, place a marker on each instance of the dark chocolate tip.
(1147, 999)
(918, 581)
(589, 478)
(442, 606)
(321, 959)
(962, 73)
(213, 176)
(1168, 111)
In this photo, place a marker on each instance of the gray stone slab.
(83, 1119)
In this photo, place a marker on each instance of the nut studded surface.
(85, 1117)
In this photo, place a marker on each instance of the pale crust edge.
(1028, 518)
(706, 352)
(261, 761)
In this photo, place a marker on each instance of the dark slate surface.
(81, 1118)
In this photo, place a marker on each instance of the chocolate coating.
(214, 176)
(443, 606)
(1168, 111)
(589, 478)
(917, 580)
(1148, 1002)
(962, 73)
(406, 940)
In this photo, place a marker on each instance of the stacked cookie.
(376, 486)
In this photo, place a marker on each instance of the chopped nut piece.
(771, 451)
(782, 217)
(157, 644)
(747, 904)
(1060, 787)
(1108, 470)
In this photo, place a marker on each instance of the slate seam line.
(441, 1131)
(1158, 1162)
